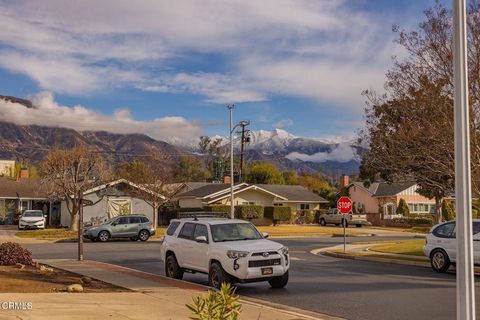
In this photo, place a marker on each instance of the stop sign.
(344, 205)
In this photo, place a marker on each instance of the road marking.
(296, 259)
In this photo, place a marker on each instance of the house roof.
(390, 189)
(372, 189)
(26, 188)
(120, 181)
(215, 191)
(293, 192)
(175, 188)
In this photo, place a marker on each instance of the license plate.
(266, 271)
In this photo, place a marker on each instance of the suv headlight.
(233, 254)
(284, 251)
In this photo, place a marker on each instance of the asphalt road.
(338, 287)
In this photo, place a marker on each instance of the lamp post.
(463, 192)
(232, 129)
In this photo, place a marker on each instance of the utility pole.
(232, 205)
(463, 191)
(244, 140)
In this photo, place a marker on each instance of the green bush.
(245, 212)
(309, 217)
(248, 212)
(12, 253)
(475, 214)
(420, 220)
(448, 213)
(221, 305)
(403, 208)
(278, 213)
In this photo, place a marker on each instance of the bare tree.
(67, 174)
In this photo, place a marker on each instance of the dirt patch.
(32, 280)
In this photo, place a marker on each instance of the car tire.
(143, 235)
(344, 223)
(323, 222)
(103, 236)
(279, 282)
(172, 269)
(94, 239)
(217, 276)
(133, 238)
(358, 225)
(439, 260)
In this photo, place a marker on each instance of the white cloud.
(49, 113)
(321, 50)
(343, 152)
(283, 123)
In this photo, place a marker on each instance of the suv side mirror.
(265, 235)
(201, 239)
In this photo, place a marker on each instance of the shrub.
(248, 212)
(309, 217)
(278, 214)
(221, 305)
(403, 208)
(12, 253)
(448, 213)
(420, 220)
(245, 212)
(191, 209)
(475, 214)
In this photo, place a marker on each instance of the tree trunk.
(438, 210)
(74, 221)
(155, 215)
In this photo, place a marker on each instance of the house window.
(305, 206)
(278, 204)
(248, 203)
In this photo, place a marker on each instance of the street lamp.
(232, 129)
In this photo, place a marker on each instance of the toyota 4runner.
(228, 250)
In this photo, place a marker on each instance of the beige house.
(296, 197)
(382, 199)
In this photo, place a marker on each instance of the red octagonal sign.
(344, 205)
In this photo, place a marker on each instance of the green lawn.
(407, 247)
(309, 230)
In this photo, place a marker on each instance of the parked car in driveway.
(228, 250)
(441, 245)
(334, 216)
(32, 219)
(134, 226)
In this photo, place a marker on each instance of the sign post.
(344, 205)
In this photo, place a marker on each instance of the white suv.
(228, 250)
(441, 245)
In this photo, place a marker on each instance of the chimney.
(24, 173)
(344, 181)
(226, 179)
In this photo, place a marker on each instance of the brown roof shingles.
(25, 188)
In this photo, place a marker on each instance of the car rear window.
(135, 220)
(172, 228)
(187, 231)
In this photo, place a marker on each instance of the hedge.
(278, 213)
(421, 220)
(245, 212)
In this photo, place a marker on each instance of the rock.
(75, 288)
(45, 269)
(20, 266)
(86, 280)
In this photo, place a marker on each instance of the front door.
(120, 229)
(198, 255)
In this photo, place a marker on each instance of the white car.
(228, 250)
(32, 219)
(441, 245)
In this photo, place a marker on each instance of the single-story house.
(18, 195)
(294, 196)
(382, 198)
(110, 200)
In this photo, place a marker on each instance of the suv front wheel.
(279, 282)
(172, 269)
(217, 276)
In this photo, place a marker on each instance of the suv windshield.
(234, 232)
(33, 214)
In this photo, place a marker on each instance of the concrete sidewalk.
(153, 297)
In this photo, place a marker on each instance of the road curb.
(374, 259)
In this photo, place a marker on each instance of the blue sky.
(169, 68)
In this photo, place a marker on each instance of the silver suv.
(135, 226)
(228, 250)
